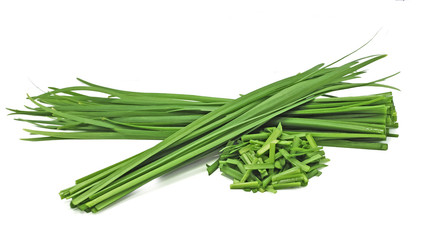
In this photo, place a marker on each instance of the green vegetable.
(79, 116)
(212, 131)
(278, 175)
(245, 185)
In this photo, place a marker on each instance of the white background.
(216, 48)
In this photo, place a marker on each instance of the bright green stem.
(253, 184)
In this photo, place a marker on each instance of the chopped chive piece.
(299, 177)
(311, 154)
(251, 185)
(278, 186)
(295, 145)
(245, 158)
(299, 164)
(312, 159)
(285, 153)
(213, 167)
(236, 162)
(286, 172)
(272, 153)
(286, 143)
(312, 173)
(245, 149)
(318, 166)
(256, 142)
(324, 160)
(267, 181)
(246, 176)
(289, 176)
(259, 166)
(271, 189)
(234, 174)
(297, 154)
(274, 135)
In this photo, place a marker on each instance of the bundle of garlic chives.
(209, 132)
(78, 116)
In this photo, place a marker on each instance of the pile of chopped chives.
(271, 160)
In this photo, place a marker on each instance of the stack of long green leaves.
(352, 122)
(211, 129)
(270, 160)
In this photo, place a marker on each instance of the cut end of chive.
(73, 205)
(83, 207)
(64, 194)
(212, 168)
